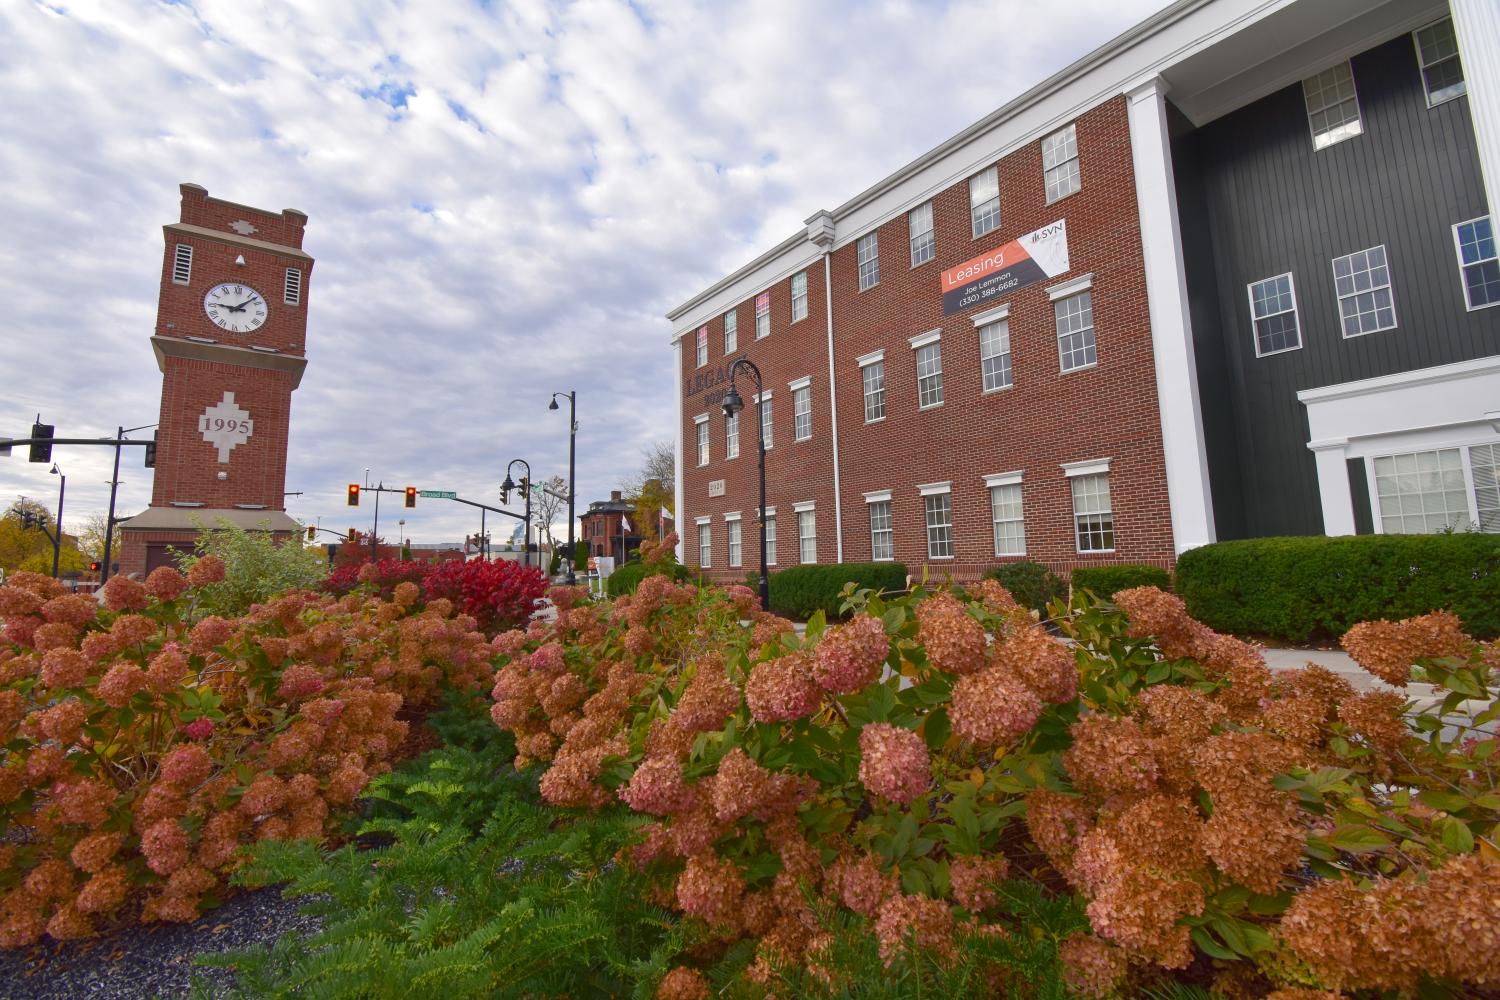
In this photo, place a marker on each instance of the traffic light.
(151, 452)
(353, 534)
(94, 566)
(526, 487)
(41, 451)
(312, 532)
(353, 494)
(411, 496)
(28, 520)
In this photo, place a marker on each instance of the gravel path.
(144, 963)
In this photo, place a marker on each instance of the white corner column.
(1477, 25)
(677, 509)
(1337, 498)
(1183, 447)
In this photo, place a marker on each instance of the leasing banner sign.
(1022, 261)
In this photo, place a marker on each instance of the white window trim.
(770, 512)
(701, 418)
(699, 421)
(1077, 157)
(705, 519)
(865, 360)
(1359, 110)
(1338, 300)
(1461, 444)
(1291, 278)
(291, 289)
(991, 483)
(1014, 478)
(932, 489)
(733, 515)
(760, 436)
(806, 301)
(1422, 67)
(936, 490)
(805, 382)
(800, 508)
(994, 315)
(1458, 253)
(1072, 286)
(923, 339)
(1089, 467)
(878, 496)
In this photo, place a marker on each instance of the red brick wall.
(187, 466)
(1045, 418)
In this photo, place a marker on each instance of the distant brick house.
(604, 531)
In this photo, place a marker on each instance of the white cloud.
(504, 199)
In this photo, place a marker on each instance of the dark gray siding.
(1256, 201)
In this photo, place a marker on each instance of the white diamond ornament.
(225, 425)
(243, 226)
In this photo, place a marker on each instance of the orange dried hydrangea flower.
(954, 641)
(1388, 649)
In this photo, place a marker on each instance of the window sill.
(1080, 368)
(1010, 555)
(885, 559)
(801, 440)
(1366, 333)
(929, 406)
(1443, 100)
(999, 389)
(797, 320)
(1065, 197)
(924, 263)
(866, 288)
(1487, 305)
(877, 420)
(1267, 354)
(939, 558)
(1097, 552)
(987, 232)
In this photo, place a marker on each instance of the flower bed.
(1300, 833)
(144, 744)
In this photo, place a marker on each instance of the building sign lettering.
(225, 426)
(1021, 262)
(713, 383)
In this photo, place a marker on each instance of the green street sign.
(437, 494)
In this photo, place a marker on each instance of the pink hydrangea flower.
(894, 762)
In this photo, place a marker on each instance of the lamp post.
(733, 404)
(572, 443)
(62, 487)
(509, 485)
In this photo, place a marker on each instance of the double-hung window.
(732, 436)
(702, 346)
(1477, 262)
(1006, 514)
(1093, 514)
(923, 240)
(770, 536)
(872, 376)
(1363, 283)
(1075, 331)
(937, 505)
(705, 544)
(701, 430)
(1060, 164)
(762, 315)
(801, 408)
(807, 533)
(731, 332)
(1332, 105)
(799, 296)
(763, 403)
(882, 536)
(1437, 52)
(994, 354)
(867, 252)
(1273, 312)
(929, 350)
(984, 201)
(732, 529)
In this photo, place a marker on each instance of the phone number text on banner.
(1022, 261)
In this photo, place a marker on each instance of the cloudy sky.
(504, 200)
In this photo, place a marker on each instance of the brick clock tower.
(230, 340)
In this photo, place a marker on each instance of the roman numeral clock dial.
(235, 308)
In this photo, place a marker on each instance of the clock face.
(236, 308)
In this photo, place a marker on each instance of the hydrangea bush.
(1275, 832)
(144, 742)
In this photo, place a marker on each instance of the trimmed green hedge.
(1106, 581)
(799, 591)
(1294, 588)
(1030, 583)
(628, 577)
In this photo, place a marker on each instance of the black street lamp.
(57, 526)
(733, 404)
(572, 443)
(509, 485)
